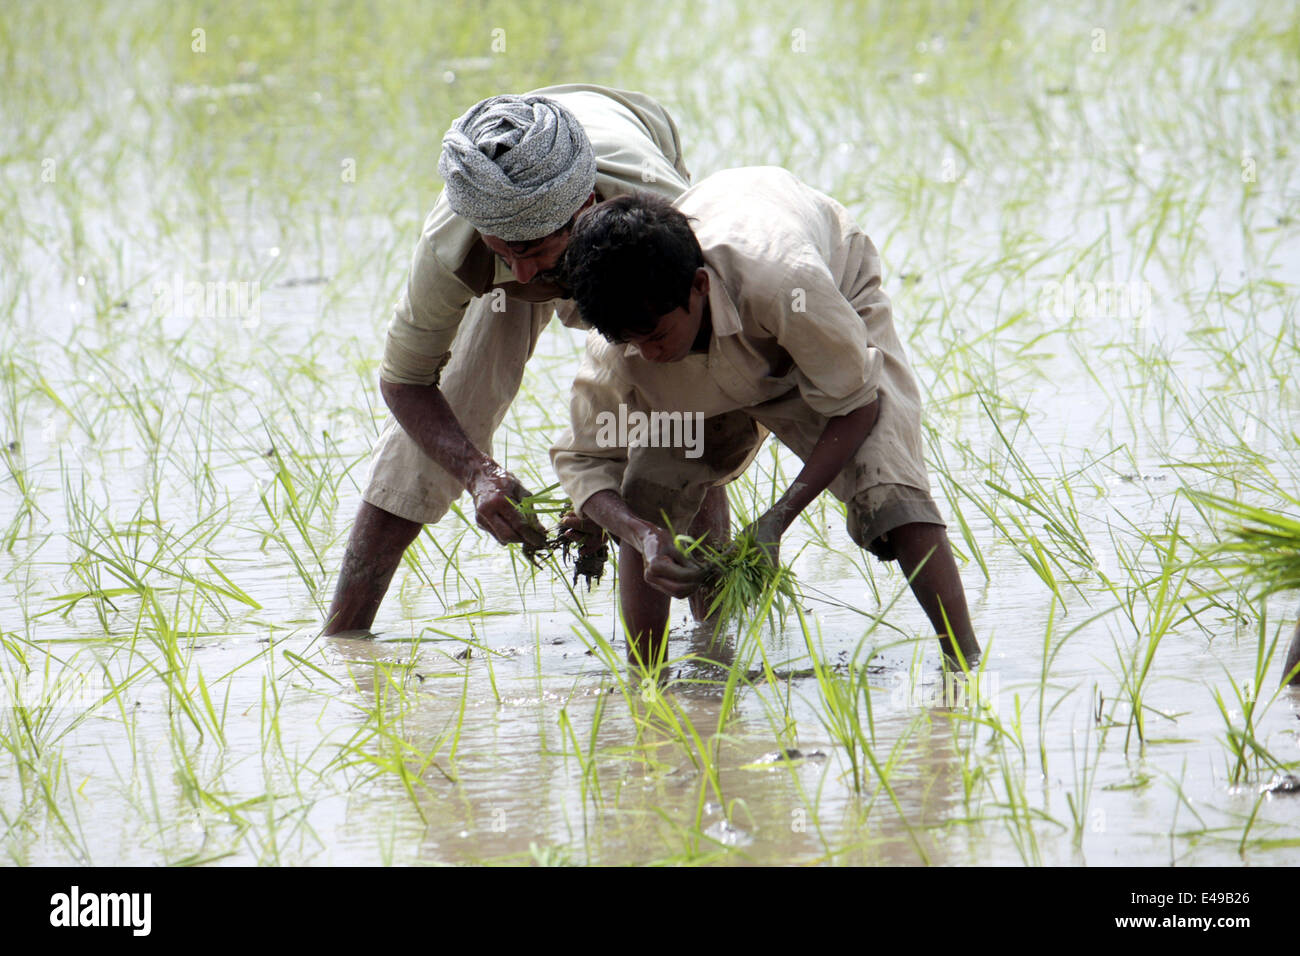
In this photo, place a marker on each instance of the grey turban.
(517, 167)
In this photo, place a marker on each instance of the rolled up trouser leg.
(876, 504)
(479, 382)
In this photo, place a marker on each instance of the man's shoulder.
(449, 245)
(606, 354)
(634, 137)
(604, 365)
(759, 227)
(759, 195)
(581, 97)
(614, 118)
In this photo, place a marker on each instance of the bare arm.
(666, 569)
(839, 441)
(425, 415)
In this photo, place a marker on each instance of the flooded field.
(1090, 229)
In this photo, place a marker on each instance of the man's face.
(672, 338)
(532, 260)
(538, 259)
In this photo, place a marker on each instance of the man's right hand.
(423, 411)
(666, 568)
(496, 493)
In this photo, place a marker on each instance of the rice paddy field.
(1090, 227)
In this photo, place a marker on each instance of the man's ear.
(700, 283)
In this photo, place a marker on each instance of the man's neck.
(701, 343)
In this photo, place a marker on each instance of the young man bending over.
(766, 315)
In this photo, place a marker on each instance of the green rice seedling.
(289, 503)
(543, 503)
(1264, 843)
(1164, 609)
(1066, 546)
(1243, 739)
(1022, 815)
(656, 711)
(146, 557)
(784, 730)
(1006, 742)
(34, 723)
(1084, 777)
(1265, 545)
(845, 701)
(589, 785)
(417, 561)
(589, 554)
(936, 458)
(380, 745)
(11, 451)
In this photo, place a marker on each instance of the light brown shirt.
(796, 303)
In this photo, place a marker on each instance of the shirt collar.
(726, 318)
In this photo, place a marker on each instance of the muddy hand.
(666, 568)
(587, 538)
(581, 533)
(495, 493)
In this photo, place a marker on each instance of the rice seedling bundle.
(745, 583)
(589, 552)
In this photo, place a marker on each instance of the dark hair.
(630, 261)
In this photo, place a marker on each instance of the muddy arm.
(428, 419)
(839, 441)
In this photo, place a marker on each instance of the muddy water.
(409, 749)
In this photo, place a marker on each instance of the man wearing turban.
(481, 289)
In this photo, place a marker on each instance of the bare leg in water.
(375, 549)
(937, 585)
(645, 609)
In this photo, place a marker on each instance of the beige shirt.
(637, 148)
(797, 310)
